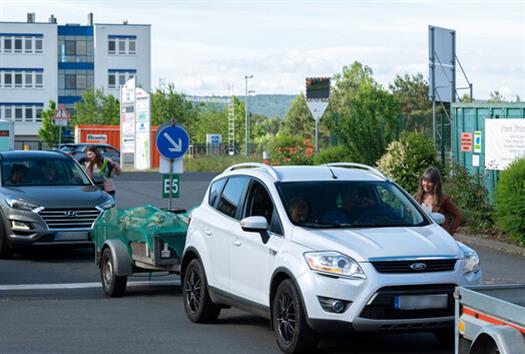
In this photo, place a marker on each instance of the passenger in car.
(299, 210)
(432, 199)
(18, 173)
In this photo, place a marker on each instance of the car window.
(347, 204)
(259, 203)
(42, 172)
(231, 195)
(215, 190)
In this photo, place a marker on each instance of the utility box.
(469, 144)
(7, 135)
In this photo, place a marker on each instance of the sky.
(206, 47)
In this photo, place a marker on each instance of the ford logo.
(418, 266)
(70, 214)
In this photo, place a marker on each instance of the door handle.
(236, 242)
(208, 231)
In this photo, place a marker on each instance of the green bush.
(214, 163)
(510, 201)
(291, 150)
(339, 153)
(406, 159)
(471, 196)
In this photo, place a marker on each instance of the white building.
(43, 61)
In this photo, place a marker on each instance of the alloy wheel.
(286, 317)
(193, 291)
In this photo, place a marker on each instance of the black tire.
(197, 302)
(293, 334)
(113, 285)
(445, 337)
(5, 251)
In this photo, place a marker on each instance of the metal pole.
(433, 76)
(443, 140)
(317, 135)
(59, 136)
(470, 90)
(171, 185)
(246, 115)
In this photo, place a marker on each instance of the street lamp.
(246, 136)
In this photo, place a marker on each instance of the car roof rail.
(357, 166)
(267, 168)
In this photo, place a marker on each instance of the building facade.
(43, 61)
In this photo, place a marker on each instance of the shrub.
(339, 153)
(214, 163)
(471, 196)
(406, 159)
(510, 201)
(291, 150)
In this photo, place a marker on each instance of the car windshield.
(67, 148)
(349, 204)
(38, 171)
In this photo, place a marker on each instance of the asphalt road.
(51, 301)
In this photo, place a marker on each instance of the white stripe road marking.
(80, 285)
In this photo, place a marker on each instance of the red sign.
(466, 142)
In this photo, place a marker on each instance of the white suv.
(321, 248)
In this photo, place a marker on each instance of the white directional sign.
(172, 141)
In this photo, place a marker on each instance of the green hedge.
(214, 163)
(510, 201)
(337, 153)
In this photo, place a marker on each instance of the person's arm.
(116, 167)
(88, 170)
(452, 209)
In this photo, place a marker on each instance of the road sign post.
(172, 141)
(61, 118)
(317, 95)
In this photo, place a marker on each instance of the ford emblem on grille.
(418, 266)
(70, 214)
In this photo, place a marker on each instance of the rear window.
(42, 172)
(215, 190)
(231, 195)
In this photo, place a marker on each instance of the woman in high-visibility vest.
(100, 170)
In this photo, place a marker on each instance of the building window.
(38, 115)
(71, 47)
(18, 114)
(111, 80)
(8, 80)
(81, 82)
(122, 79)
(131, 46)
(28, 47)
(39, 80)
(29, 80)
(18, 79)
(8, 44)
(8, 112)
(71, 82)
(18, 45)
(38, 45)
(122, 47)
(111, 46)
(29, 114)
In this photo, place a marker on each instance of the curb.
(484, 241)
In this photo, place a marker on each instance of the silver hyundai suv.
(46, 198)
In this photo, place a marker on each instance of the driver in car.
(299, 210)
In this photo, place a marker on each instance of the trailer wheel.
(484, 345)
(112, 284)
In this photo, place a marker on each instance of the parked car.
(78, 151)
(337, 247)
(46, 198)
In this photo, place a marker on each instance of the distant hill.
(267, 105)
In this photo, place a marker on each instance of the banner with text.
(504, 142)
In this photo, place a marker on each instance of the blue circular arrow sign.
(172, 141)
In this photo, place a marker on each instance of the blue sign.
(172, 141)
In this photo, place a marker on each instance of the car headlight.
(334, 263)
(471, 259)
(108, 204)
(19, 203)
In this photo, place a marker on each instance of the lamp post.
(246, 136)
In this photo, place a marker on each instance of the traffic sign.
(172, 141)
(166, 186)
(61, 116)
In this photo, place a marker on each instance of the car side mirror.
(256, 224)
(438, 218)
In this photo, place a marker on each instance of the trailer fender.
(506, 338)
(119, 253)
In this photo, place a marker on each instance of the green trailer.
(144, 239)
(470, 118)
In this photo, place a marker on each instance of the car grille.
(434, 265)
(80, 218)
(382, 305)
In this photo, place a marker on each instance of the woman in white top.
(100, 170)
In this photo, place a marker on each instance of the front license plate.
(420, 302)
(71, 236)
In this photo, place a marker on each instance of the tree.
(49, 132)
(496, 97)
(97, 108)
(169, 104)
(365, 117)
(298, 119)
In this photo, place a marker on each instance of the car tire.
(197, 302)
(293, 333)
(112, 284)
